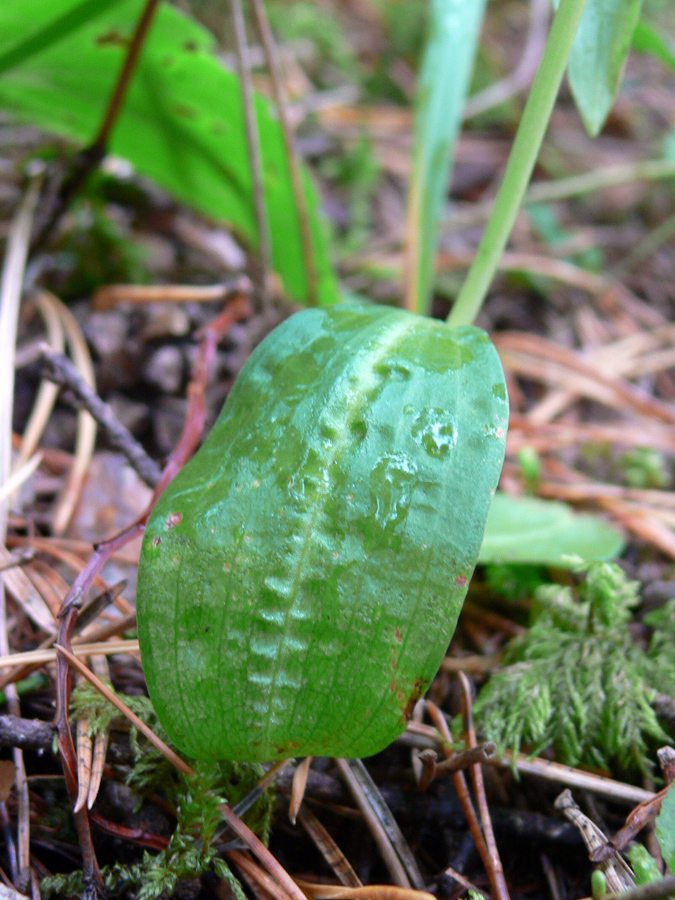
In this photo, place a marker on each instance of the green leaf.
(665, 830)
(301, 577)
(643, 864)
(598, 56)
(647, 38)
(182, 122)
(543, 532)
(443, 83)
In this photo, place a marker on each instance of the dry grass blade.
(86, 426)
(49, 654)
(598, 784)
(91, 752)
(19, 476)
(391, 843)
(47, 392)
(262, 884)
(110, 296)
(264, 856)
(330, 851)
(368, 892)
(298, 788)
(84, 745)
(124, 709)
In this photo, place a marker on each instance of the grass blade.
(443, 84)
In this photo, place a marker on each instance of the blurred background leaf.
(545, 532)
(182, 123)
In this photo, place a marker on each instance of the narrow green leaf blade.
(665, 830)
(543, 532)
(598, 56)
(182, 124)
(443, 84)
(649, 39)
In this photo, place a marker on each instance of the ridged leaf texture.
(301, 578)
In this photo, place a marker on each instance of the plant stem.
(521, 162)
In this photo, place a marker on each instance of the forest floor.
(581, 314)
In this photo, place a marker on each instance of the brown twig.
(495, 869)
(28, 734)
(481, 753)
(89, 158)
(461, 786)
(61, 371)
(636, 820)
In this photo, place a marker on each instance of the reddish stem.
(238, 308)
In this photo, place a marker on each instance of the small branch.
(481, 753)
(26, 734)
(61, 370)
(495, 869)
(89, 158)
(461, 786)
(124, 80)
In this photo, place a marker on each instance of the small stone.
(165, 369)
(107, 331)
(165, 320)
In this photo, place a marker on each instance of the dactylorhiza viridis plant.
(301, 577)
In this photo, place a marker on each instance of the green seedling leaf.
(443, 84)
(665, 830)
(301, 577)
(182, 123)
(643, 864)
(600, 49)
(544, 532)
(648, 38)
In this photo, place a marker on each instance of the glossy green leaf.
(443, 84)
(544, 532)
(301, 578)
(598, 56)
(665, 830)
(648, 38)
(182, 123)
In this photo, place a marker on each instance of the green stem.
(521, 162)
